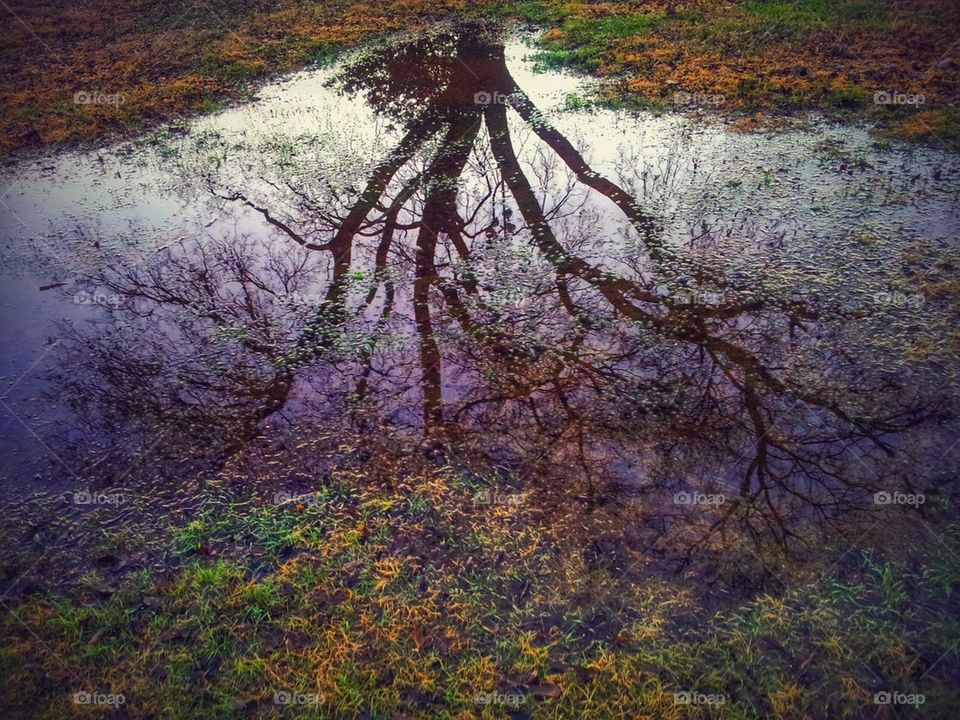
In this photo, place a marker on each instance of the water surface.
(431, 241)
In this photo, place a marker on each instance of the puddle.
(425, 240)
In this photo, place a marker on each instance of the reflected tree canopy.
(486, 288)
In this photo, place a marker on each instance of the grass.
(393, 593)
(583, 58)
(760, 55)
(614, 27)
(805, 15)
(763, 56)
(939, 127)
(166, 59)
(539, 13)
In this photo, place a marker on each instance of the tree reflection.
(468, 291)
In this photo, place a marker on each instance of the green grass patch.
(847, 97)
(800, 16)
(226, 71)
(540, 13)
(614, 27)
(583, 58)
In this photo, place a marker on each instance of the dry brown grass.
(172, 58)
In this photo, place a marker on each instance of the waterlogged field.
(424, 385)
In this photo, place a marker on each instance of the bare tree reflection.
(467, 291)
